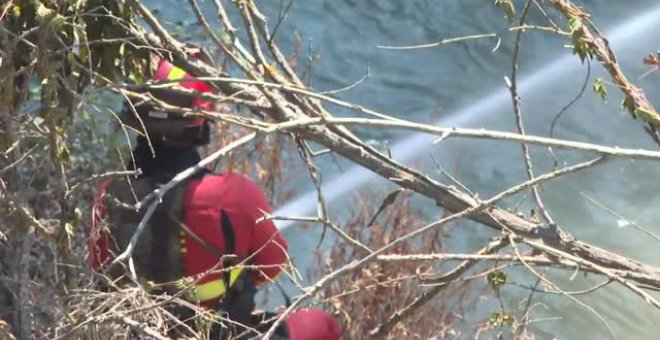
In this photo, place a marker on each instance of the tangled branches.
(47, 175)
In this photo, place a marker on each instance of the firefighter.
(198, 223)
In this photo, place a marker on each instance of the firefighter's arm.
(268, 246)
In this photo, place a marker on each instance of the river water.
(461, 84)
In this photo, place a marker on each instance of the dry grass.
(365, 298)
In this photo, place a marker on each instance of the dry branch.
(482, 206)
(440, 284)
(272, 90)
(287, 108)
(515, 98)
(636, 101)
(143, 329)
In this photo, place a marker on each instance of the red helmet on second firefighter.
(312, 324)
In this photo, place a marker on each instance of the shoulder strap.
(166, 262)
(228, 231)
(121, 194)
(165, 257)
(230, 243)
(157, 255)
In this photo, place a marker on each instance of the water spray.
(408, 148)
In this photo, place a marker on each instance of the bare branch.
(143, 329)
(451, 218)
(515, 97)
(636, 101)
(440, 282)
(441, 42)
(621, 217)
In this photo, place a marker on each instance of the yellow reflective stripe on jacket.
(175, 73)
(216, 288)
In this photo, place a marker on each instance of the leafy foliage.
(580, 45)
(599, 88)
(498, 319)
(509, 9)
(496, 279)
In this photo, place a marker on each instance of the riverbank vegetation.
(64, 67)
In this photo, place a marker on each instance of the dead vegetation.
(385, 276)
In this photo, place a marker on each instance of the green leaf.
(574, 24)
(38, 121)
(70, 58)
(628, 105)
(49, 16)
(149, 285)
(580, 47)
(78, 214)
(137, 76)
(63, 154)
(226, 38)
(68, 229)
(496, 279)
(45, 14)
(498, 319)
(599, 88)
(645, 115)
(508, 319)
(508, 8)
(58, 21)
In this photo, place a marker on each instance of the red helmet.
(165, 125)
(312, 324)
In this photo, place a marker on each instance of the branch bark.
(283, 110)
(636, 101)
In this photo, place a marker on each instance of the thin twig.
(381, 330)
(11, 148)
(525, 312)
(604, 271)
(143, 329)
(289, 88)
(439, 43)
(283, 14)
(481, 134)
(598, 45)
(339, 231)
(6, 9)
(515, 97)
(577, 292)
(356, 264)
(351, 86)
(553, 285)
(466, 257)
(538, 28)
(102, 176)
(218, 42)
(621, 217)
(19, 160)
(451, 178)
(541, 9)
(316, 177)
(22, 302)
(207, 28)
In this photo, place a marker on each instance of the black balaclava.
(169, 160)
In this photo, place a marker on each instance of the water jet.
(409, 147)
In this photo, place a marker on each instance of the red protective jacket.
(204, 199)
